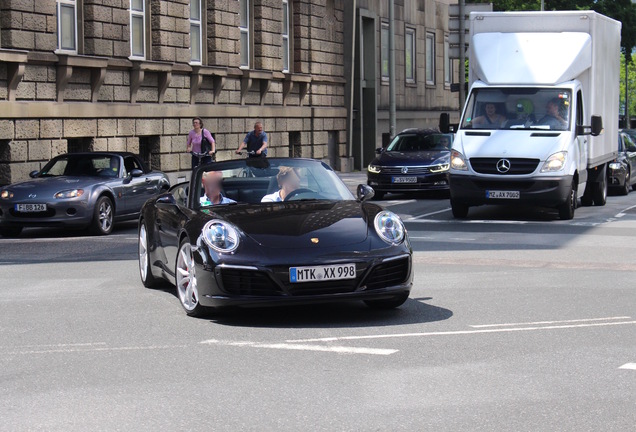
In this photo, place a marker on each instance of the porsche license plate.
(322, 273)
(30, 208)
(404, 179)
(503, 194)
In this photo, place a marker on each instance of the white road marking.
(630, 366)
(551, 322)
(398, 202)
(304, 347)
(428, 214)
(622, 212)
(458, 332)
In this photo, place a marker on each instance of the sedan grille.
(410, 170)
(516, 165)
(388, 274)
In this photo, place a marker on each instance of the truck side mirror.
(597, 125)
(444, 123)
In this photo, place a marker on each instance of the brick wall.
(28, 24)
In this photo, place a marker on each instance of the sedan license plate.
(404, 179)
(503, 194)
(322, 273)
(30, 208)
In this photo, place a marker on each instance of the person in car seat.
(211, 182)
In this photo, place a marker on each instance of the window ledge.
(65, 65)
(16, 63)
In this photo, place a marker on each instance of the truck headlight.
(457, 161)
(221, 236)
(615, 166)
(556, 162)
(389, 227)
(374, 169)
(71, 193)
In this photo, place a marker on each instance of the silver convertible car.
(81, 190)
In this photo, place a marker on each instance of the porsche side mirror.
(166, 199)
(364, 192)
(136, 173)
(34, 174)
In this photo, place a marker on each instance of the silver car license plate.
(497, 194)
(30, 208)
(322, 273)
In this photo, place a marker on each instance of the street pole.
(462, 55)
(542, 4)
(627, 125)
(392, 114)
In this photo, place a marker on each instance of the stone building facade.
(89, 75)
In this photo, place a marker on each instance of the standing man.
(255, 141)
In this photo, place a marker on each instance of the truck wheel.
(566, 210)
(586, 199)
(599, 193)
(460, 211)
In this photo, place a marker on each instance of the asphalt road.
(517, 321)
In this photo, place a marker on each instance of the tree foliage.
(631, 81)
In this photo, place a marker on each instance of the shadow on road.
(343, 315)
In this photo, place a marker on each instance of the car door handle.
(148, 180)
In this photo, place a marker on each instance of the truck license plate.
(322, 273)
(30, 208)
(503, 194)
(404, 179)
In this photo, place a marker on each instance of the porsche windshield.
(518, 108)
(82, 165)
(269, 180)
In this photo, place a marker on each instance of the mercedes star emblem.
(503, 166)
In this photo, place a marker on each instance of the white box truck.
(540, 123)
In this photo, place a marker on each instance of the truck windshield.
(518, 108)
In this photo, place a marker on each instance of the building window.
(384, 51)
(286, 36)
(430, 58)
(67, 26)
(409, 54)
(448, 64)
(195, 31)
(244, 27)
(138, 29)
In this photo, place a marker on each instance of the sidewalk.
(353, 179)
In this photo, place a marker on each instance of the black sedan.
(80, 190)
(416, 160)
(621, 170)
(317, 243)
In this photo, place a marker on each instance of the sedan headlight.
(6, 194)
(441, 164)
(556, 162)
(71, 193)
(221, 236)
(457, 161)
(389, 227)
(374, 169)
(615, 165)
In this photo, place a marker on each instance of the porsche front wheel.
(186, 278)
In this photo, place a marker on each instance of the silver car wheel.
(143, 253)
(186, 278)
(105, 215)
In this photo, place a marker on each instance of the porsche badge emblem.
(315, 240)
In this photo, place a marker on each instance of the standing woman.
(200, 141)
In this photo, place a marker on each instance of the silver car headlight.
(221, 236)
(71, 193)
(555, 162)
(389, 227)
(615, 166)
(6, 194)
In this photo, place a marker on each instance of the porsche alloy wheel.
(144, 259)
(186, 278)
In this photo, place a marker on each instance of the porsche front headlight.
(221, 236)
(389, 227)
(71, 193)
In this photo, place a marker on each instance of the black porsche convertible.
(264, 244)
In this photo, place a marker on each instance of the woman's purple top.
(195, 139)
